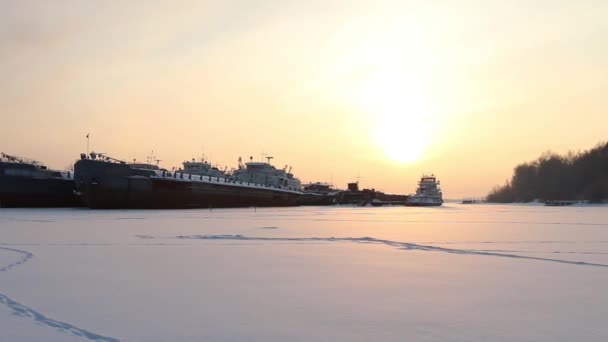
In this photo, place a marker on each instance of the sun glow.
(402, 136)
(402, 114)
(391, 77)
(398, 95)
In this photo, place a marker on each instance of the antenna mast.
(151, 158)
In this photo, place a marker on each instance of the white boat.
(428, 193)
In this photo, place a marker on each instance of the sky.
(375, 90)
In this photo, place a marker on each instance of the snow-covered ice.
(454, 273)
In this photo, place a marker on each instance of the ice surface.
(454, 273)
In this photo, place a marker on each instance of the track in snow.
(25, 256)
(27, 312)
(397, 244)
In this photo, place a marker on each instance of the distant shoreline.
(552, 177)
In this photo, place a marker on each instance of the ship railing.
(14, 159)
(182, 176)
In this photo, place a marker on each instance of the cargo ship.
(107, 183)
(28, 183)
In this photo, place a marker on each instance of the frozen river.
(455, 273)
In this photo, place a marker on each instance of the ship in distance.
(318, 194)
(28, 183)
(353, 195)
(428, 193)
(103, 182)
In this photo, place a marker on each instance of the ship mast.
(151, 158)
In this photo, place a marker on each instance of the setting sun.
(394, 86)
(402, 106)
(401, 137)
(402, 112)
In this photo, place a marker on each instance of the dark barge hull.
(313, 199)
(105, 185)
(18, 192)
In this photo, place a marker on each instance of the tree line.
(574, 176)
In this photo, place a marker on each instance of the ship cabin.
(202, 168)
(266, 174)
(428, 179)
(428, 185)
(317, 187)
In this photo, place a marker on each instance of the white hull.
(415, 201)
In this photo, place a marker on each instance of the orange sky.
(336, 89)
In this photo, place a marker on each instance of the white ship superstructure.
(266, 174)
(202, 167)
(428, 193)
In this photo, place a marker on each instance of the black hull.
(308, 199)
(104, 185)
(24, 192)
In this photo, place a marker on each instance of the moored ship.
(428, 193)
(105, 182)
(318, 194)
(28, 183)
(368, 196)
